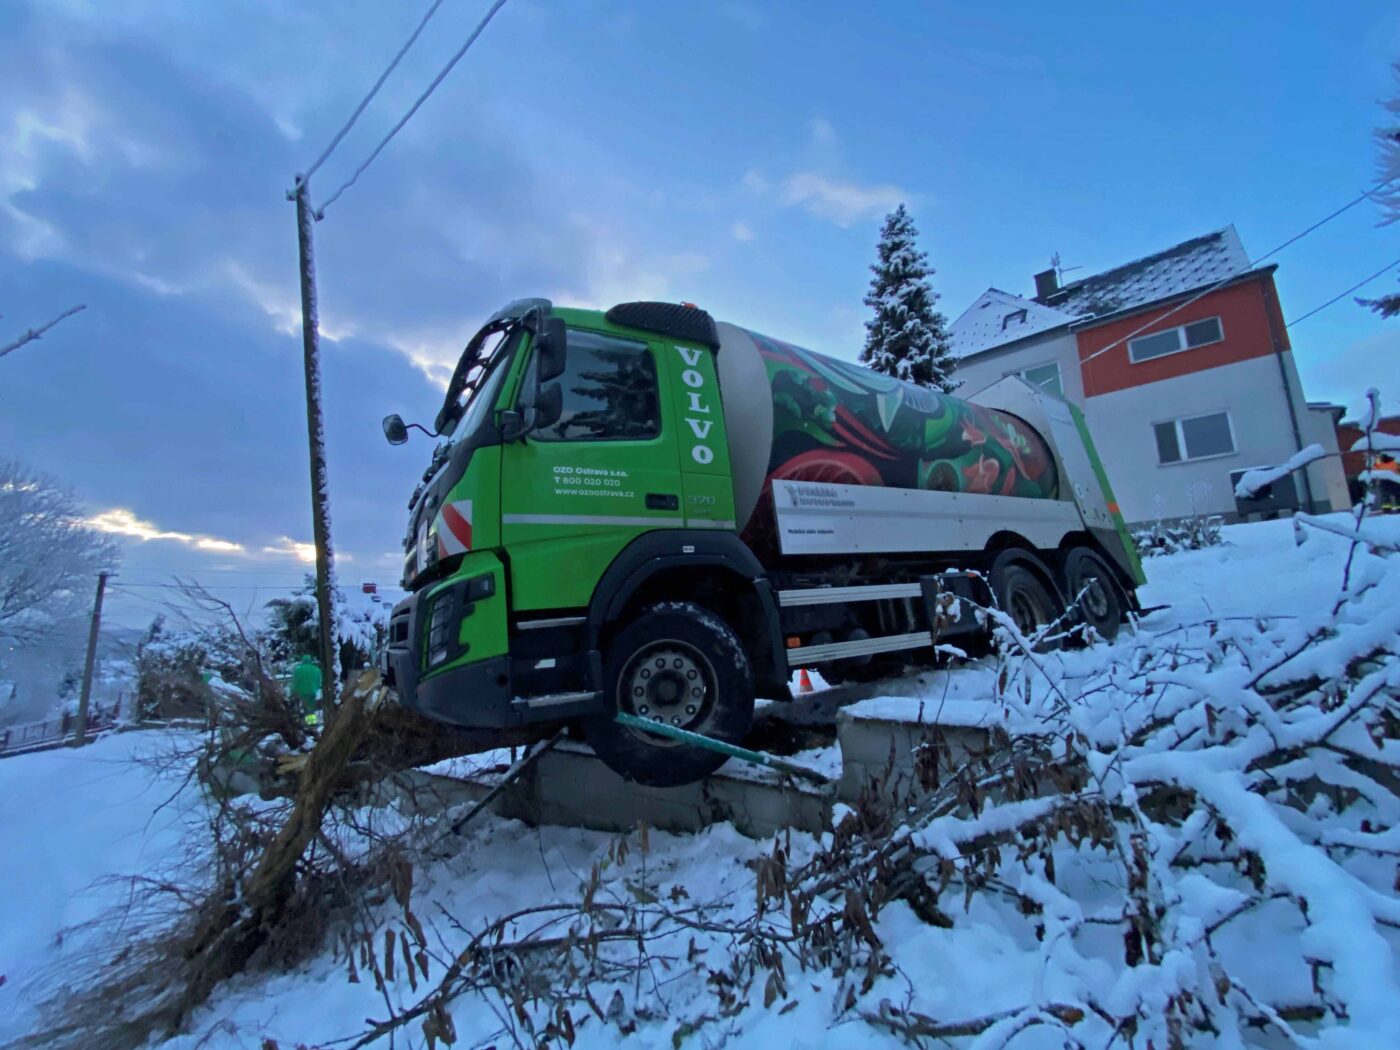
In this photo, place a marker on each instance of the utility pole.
(316, 440)
(80, 737)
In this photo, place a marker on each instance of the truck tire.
(678, 662)
(1100, 606)
(1021, 593)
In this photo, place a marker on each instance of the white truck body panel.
(816, 518)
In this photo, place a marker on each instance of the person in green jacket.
(306, 687)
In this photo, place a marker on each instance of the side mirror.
(549, 405)
(550, 343)
(395, 429)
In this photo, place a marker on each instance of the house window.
(1194, 437)
(1014, 317)
(1175, 340)
(1047, 377)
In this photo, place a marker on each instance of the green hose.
(685, 736)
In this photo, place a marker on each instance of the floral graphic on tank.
(841, 424)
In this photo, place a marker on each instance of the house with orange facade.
(1355, 464)
(1183, 367)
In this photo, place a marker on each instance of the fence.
(37, 736)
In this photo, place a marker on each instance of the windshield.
(483, 387)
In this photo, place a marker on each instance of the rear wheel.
(680, 664)
(1021, 593)
(1090, 584)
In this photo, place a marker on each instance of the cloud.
(281, 302)
(741, 231)
(148, 155)
(122, 522)
(616, 272)
(843, 203)
(838, 201)
(747, 17)
(306, 552)
(1341, 371)
(823, 134)
(157, 173)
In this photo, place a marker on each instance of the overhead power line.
(252, 574)
(481, 26)
(432, 10)
(142, 602)
(1360, 284)
(1364, 195)
(213, 586)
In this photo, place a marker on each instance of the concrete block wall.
(569, 786)
(884, 749)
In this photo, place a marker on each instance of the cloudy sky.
(739, 155)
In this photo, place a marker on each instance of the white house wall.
(1328, 479)
(1121, 423)
(982, 370)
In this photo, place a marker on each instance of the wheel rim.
(668, 681)
(1094, 600)
(1027, 610)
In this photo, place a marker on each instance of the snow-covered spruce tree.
(907, 338)
(1388, 195)
(293, 628)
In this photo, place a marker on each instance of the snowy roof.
(999, 317)
(1183, 268)
(995, 319)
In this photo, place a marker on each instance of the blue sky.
(740, 155)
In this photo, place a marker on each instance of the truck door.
(575, 493)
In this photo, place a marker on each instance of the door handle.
(663, 501)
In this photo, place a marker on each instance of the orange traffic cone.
(804, 681)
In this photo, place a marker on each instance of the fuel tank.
(795, 415)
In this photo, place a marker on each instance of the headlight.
(423, 544)
(449, 608)
(440, 630)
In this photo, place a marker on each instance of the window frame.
(646, 346)
(1176, 422)
(1059, 377)
(1180, 332)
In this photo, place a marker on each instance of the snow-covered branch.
(1261, 477)
(38, 333)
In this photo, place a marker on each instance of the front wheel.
(680, 664)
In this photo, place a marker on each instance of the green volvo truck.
(643, 511)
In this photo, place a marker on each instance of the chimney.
(1046, 284)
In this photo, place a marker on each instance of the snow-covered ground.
(72, 823)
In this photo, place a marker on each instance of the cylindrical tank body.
(797, 415)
